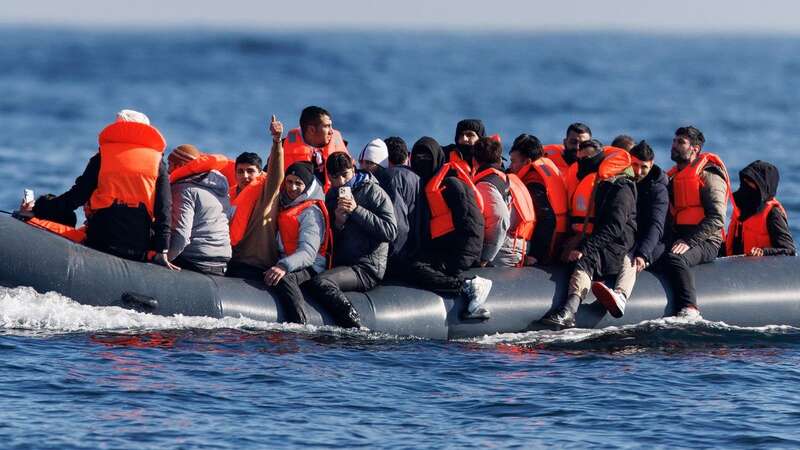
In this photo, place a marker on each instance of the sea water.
(74, 376)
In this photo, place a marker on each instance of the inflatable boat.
(739, 291)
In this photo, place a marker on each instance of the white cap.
(129, 115)
(376, 152)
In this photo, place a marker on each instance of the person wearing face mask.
(698, 191)
(451, 230)
(314, 141)
(468, 131)
(363, 225)
(759, 226)
(304, 238)
(565, 154)
(603, 214)
(652, 206)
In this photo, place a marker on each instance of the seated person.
(451, 232)
(624, 142)
(759, 226)
(248, 170)
(199, 235)
(468, 131)
(303, 238)
(126, 187)
(363, 227)
(405, 189)
(374, 157)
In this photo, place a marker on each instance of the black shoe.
(560, 319)
(351, 319)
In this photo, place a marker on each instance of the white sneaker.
(613, 301)
(689, 313)
(478, 290)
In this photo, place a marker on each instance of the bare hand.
(346, 204)
(639, 263)
(275, 129)
(274, 275)
(161, 260)
(756, 251)
(680, 247)
(574, 255)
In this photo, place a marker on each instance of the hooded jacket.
(363, 241)
(652, 208)
(749, 203)
(461, 248)
(496, 217)
(404, 187)
(200, 209)
(311, 233)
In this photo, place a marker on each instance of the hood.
(213, 180)
(314, 192)
(766, 177)
(427, 157)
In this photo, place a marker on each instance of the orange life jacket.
(752, 231)
(130, 156)
(201, 164)
(545, 171)
(77, 235)
(295, 149)
(582, 201)
(289, 226)
(232, 192)
(555, 152)
(520, 201)
(685, 205)
(230, 172)
(243, 205)
(441, 216)
(455, 158)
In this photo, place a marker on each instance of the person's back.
(199, 238)
(494, 188)
(404, 187)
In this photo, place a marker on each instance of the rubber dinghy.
(738, 291)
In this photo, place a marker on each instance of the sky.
(698, 16)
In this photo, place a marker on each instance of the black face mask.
(422, 165)
(466, 151)
(748, 200)
(570, 156)
(589, 165)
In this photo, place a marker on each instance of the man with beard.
(603, 214)
(652, 206)
(564, 155)
(759, 226)
(468, 131)
(698, 192)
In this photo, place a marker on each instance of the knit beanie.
(470, 125)
(376, 152)
(302, 170)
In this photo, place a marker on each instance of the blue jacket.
(652, 207)
(404, 188)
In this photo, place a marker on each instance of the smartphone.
(345, 191)
(27, 196)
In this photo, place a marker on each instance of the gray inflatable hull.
(738, 291)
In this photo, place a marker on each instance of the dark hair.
(643, 151)
(488, 151)
(593, 143)
(249, 158)
(528, 146)
(579, 128)
(398, 150)
(338, 163)
(623, 141)
(694, 135)
(312, 115)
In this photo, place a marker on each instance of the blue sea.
(74, 376)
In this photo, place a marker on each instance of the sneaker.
(613, 301)
(476, 291)
(479, 314)
(559, 320)
(690, 312)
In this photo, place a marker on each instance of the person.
(652, 207)
(604, 214)
(759, 226)
(468, 131)
(126, 188)
(548, 193)
(253, 225)
(624, 142)
(495, 192)
(374, 157)
(304, 238)
(565, 154)
(247, 170)
(363, 226)
(314, 141)
(451, 232)
(199, 235)
(405, 189)
(397, 150)
(698, 192)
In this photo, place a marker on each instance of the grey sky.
(763, 16)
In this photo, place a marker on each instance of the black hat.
(302, 170)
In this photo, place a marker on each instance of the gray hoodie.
(310, 235)
(199, 231)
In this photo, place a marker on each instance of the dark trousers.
(246, 271)
(677, 269)
(184, 263)
(434, 278)
(328, 289)
(290, 294)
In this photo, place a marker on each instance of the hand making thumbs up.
(276, 129)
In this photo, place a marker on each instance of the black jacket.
(118, 229)
(404, 187)
(363, 242)
(545, 223)
(652, 208)
(614, 226)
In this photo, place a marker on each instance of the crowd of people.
(315, 219)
